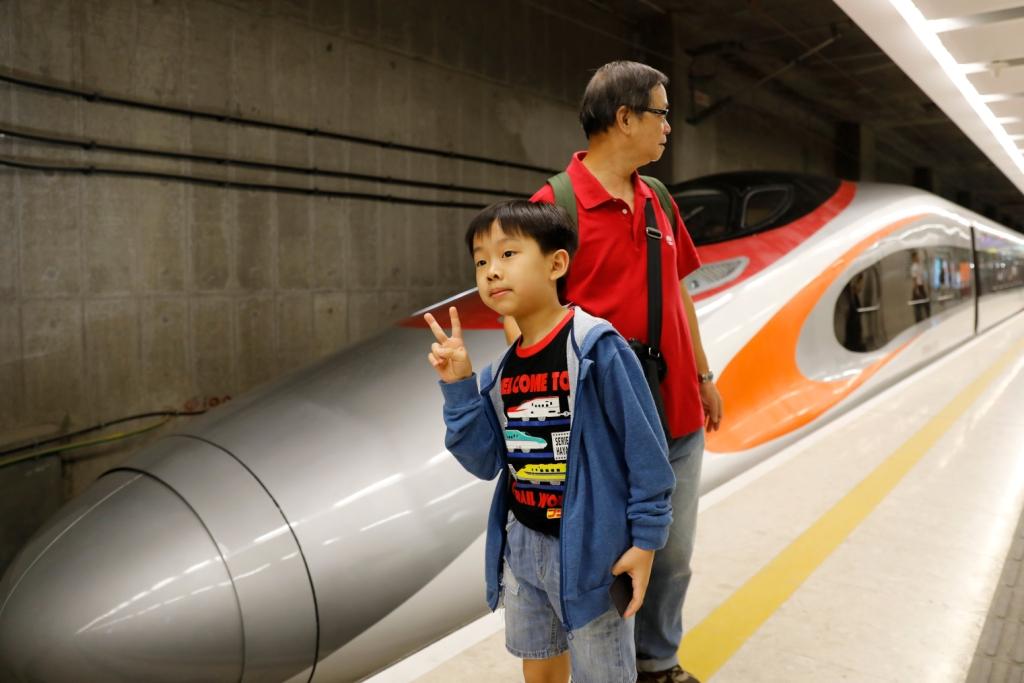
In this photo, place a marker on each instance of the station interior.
(201, 200)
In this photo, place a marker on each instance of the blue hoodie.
(618, 482)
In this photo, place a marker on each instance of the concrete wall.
(760, 130)
(122, 295)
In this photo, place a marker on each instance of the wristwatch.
(705, 376)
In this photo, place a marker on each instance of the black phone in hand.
(621, 592)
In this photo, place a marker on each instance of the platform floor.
(870, 551)
(1000, 654)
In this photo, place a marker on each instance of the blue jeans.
(600, 651)
(659, 624)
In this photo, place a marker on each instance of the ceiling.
(968, 57)
(877, 72)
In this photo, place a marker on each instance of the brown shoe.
(676, 674)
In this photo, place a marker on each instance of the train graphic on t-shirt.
(540, 408)
(538, 473)
(517, 440)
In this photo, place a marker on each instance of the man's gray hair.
(613, 85)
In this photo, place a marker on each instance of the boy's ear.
(559, 263)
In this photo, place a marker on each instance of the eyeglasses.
(663, 113)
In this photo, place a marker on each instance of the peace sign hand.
(449, 355)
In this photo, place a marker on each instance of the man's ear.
(624, 118)
(559, 264)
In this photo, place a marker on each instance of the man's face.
(653, 129)
(513, 275)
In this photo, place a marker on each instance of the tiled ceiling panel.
(943, 9)
(999, 81)
(1013, 107)
(986, 43)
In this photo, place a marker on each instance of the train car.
(817, 293)
(317, 530)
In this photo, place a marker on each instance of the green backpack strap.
(564, 195)
(664, 198)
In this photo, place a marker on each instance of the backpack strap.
(664, 198)
(565, 197)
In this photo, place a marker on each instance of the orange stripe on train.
(765, 394)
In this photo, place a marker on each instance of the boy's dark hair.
(613, 85)
(546, 224)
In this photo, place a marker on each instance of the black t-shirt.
(535, 396)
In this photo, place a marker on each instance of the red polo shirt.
(608, 278)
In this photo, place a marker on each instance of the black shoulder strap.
(664, 198)
(653, 278)
(565, 197)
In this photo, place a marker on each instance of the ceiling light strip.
(920, 26)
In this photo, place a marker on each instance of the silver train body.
(317, 530)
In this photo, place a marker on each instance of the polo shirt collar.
(589, 192)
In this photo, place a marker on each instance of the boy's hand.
(449, 355)
(637, 563)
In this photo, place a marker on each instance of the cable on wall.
(93, 145)
(13, 459)
(102, 425)
(96, 96)
(231, 184)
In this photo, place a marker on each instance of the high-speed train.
(317, 530)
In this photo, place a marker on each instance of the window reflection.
(730, 206)
(902, 290)
(705, 214)
(762, 206)
(919, 297)
(1000, 265)
(857, 320)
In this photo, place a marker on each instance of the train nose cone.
(124, 585)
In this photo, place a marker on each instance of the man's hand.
(637, 563)
(712, 402)
(449, 355)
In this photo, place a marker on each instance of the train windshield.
(731, 205)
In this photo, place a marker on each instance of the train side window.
(950, 276)
(905, 302)
(763, 205)
(987, 266)
(900, 291)
(999, 271)
(858, 319)
(705, 213)
(921, 285)
(964, 277)
(1000, 264)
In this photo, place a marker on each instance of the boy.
(566, 421)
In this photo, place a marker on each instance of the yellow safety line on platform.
(707, 646)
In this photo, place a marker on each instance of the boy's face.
(513, 275)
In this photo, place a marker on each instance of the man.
(624, 114)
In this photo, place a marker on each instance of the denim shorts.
(602, 651)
